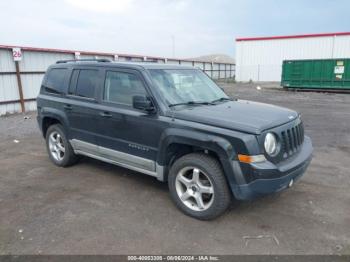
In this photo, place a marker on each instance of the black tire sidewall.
(68, 154)
(221, 192)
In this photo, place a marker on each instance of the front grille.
(292, 139)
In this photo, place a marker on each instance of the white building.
(260, 59)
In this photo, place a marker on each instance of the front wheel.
(198, 186)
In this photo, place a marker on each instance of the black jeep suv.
(173, 123)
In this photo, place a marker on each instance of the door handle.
(105, 114)
(68, 107)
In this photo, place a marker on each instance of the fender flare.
(55, 114)
(222, 147)
(219, 145)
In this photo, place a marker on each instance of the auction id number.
(172, 258)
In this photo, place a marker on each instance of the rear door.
(81, 108)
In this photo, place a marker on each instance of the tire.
(212, 187)
(56, 141)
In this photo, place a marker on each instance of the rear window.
(55, 80)
(87, 83)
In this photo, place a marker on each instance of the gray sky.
(146, 27)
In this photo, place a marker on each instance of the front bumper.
(274, 178)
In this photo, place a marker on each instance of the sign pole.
(20, 89)
(17, 56)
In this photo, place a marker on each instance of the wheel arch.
(50, 117)
(176, 143)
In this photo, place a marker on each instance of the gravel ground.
(97, 208)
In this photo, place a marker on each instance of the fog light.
(291, 183)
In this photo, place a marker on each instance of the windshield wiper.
(191, 103)
(222, 99)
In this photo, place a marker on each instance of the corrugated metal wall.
(261, 60)
(35, 61)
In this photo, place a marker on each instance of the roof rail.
(104, 60)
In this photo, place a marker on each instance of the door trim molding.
(115, 157)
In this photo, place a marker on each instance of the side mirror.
(143, 103)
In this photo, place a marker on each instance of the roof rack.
(103, 60)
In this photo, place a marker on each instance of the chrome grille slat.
(284, 144)
(292, 139)
(295, 138)
(302, 132)
(298, 134)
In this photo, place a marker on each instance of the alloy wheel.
(194, 188)
(56, 146)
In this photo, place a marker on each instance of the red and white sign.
(16, 54)
(77, 55)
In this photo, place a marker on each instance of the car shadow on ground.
(150, 183)
(133, 176)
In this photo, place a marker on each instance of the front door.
(126, 135)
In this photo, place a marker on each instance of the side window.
(73, 82)
(55, 80)
(120, 87)
(87, 83)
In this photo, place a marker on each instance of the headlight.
(270, 144)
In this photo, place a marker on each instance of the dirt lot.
(97, 208)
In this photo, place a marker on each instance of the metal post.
(225, 71)
(173, 45)
(20, 89)
(333, 43)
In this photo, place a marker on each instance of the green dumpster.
(316, 74)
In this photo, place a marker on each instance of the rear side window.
(55, 80)
(73, 82)
(87, 83)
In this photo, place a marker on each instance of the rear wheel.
(198, 186)
(59, 149)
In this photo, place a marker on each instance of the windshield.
(180, 86)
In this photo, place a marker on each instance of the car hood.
(240, 115)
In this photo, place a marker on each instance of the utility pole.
(173, 45)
